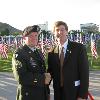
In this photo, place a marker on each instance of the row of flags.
(7, 43)
(84, 39)
(78, 38)
(49, 43)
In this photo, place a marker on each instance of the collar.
(65, 44)
(32, 48)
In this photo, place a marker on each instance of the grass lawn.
(94, 64)
(5, 64)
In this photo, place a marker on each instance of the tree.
(89, 28)
(5, 32)
(16, 33)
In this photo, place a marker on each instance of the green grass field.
(94, 63)
(6, 64)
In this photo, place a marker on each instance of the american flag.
(3, 51)
(93, 47)
(45, 46)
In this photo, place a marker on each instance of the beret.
(30, 29)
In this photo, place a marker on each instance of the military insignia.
(16, 55)
(26, 94)
(69, 51)
(32, 62)
(35, 80)
(29, 52)
(18, 63)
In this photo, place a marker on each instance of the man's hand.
(47, 78)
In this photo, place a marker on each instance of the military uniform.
(29, 68)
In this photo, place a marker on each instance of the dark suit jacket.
(29, 68)
(75, 71)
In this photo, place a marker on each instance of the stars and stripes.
(3, 51)
(93, 47)
(47, 43)
(46, 46)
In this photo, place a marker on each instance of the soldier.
(29, 68)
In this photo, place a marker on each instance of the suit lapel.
(56, 54)
(67, 55)
(68, 51)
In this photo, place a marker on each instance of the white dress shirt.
(64, 47)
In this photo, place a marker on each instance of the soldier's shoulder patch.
(16, 55)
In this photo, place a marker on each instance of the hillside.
(11, 29)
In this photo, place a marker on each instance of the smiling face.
(61, 33)
(32, 39)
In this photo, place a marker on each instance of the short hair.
(30, 29)
(58, 23)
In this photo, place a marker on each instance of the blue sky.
(21, 13)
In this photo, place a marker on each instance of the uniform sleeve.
(83, 73)
(49, 70)
(21, 73)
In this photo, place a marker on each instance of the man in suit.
(68, 67)
(29, 68)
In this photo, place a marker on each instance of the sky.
(22, 13)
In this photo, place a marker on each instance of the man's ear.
(25, 38)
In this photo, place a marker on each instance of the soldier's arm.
(49, 70)
(20, 71)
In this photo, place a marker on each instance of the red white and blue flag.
(93, 46)
(3, 51)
